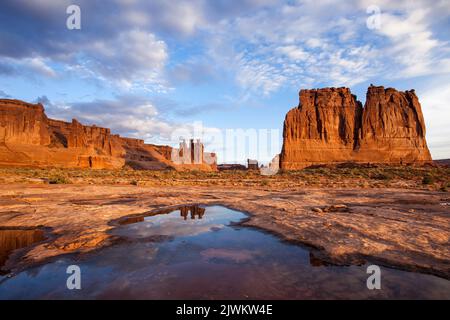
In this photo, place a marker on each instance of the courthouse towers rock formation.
(331, 126)
(193, 154)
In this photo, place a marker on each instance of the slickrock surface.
(409, 229)
(331, 126)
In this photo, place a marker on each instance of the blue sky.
(150, 68)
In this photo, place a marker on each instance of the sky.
(215, 70)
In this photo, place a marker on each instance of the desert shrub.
(134, 182)
(322, 171)
(59, 179)
(427, 179)
(445, 187)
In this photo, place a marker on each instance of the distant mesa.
(29, 138)
(231, 166)
(443, 162)
(331, 126)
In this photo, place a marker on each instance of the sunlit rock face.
(29, 138)
(331, 126)
(393, 128)
(23, 123)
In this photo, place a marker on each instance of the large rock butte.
(29, 138)
(331, 126)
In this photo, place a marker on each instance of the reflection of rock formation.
(317, 262)
(193, 211)
(131, 220)
(11, 240)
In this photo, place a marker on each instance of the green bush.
(427, 179)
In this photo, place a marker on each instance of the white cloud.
(133, 56)
(436, 110)
(253, 76)
(293, 52)
(269, 40)
(38, 65)
(284, 46)
(412, 42)
(3, 94)
(29, 66)
(328, 43)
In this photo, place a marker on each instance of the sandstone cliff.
(331, 126)
(23, 123)
(393, 128)
(29, 138)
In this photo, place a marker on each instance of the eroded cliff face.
(29, 138)
(331, 126)
(323, 128)
(393, 128)
(23, 123)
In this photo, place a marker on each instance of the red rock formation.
(330, 126)
(322, 129)
(393, 128)
(29, 138)
(23, 123)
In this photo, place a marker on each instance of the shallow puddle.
(203, 253)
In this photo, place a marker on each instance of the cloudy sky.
(147, 68)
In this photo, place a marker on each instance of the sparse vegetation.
(381, 176)
(337, 177)
(427, 179)
(59, 179)
(445, 187)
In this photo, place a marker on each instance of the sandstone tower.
(331, 126)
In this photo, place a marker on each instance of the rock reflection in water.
(13, 239)
(193, 210)
(188, 220)
(185, 211)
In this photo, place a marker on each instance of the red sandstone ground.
(392, 216)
